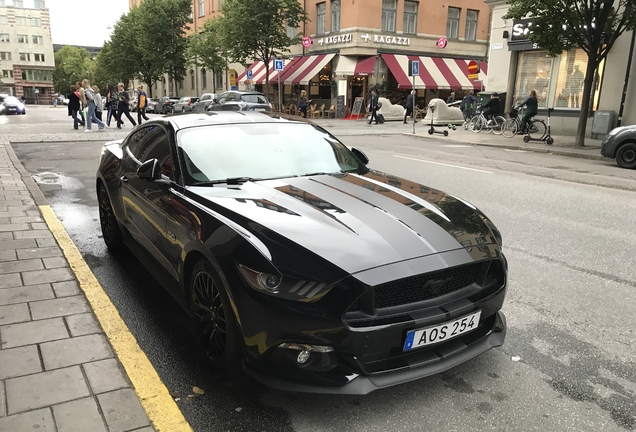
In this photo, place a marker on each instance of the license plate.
(441, 332)
(260, 109)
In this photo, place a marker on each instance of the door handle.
(124, 179)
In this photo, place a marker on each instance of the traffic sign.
(473, 76)
(414, 67)
(248, 75)
(473, 67)
(279, 65)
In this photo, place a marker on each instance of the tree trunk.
(585, 101)
(150, 89)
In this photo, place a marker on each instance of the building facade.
(26, 50)
(352, 45)
(522, 66)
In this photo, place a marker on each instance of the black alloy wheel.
(216, 329)
(110, 228)
(626, 156)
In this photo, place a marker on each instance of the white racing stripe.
(440, 163)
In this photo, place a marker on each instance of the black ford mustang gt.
(297, 262)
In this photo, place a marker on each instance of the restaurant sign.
(346, 38)
(393, 40)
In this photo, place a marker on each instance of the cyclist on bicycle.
(492, 107)
(532, 106)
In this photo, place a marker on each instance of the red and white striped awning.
(355, 66)
(302, 69)
(436, 73)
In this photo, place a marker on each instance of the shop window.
(38, 40)
(569, 82)
(389, 8)
(204, 78)
(320, 18)
(533, 72)
(471, 24)
(23, 39)
(452, 24)
(335, 15)
(410, 17)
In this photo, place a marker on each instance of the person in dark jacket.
(532, 107)
(111, 103)
(468, 105)
(373, 107)
(409, 106)
(142, 104)
(74, 107)
(451, 99)
(123, 108)
(492, 108)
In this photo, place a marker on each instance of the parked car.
(185, 104)
(152, 103)
(132, 105)
(296, 261)
(204, 101)
(11, 105)
(620, 144)
(240, 101)
(165, 104)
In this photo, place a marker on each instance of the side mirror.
(360, 155)
(149, 170)
(215, 100)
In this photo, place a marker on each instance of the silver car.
(185, 104)
(204, 101)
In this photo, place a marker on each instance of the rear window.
(184, 99)
(254, 98)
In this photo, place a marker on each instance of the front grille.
(425, 286)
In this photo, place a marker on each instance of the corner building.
(356, 44)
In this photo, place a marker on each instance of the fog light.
(305, 347)
(303, 356)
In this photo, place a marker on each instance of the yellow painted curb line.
(161, 409)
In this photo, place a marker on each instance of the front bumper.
(457, 354)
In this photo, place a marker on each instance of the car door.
(220, 103)
(145, 201)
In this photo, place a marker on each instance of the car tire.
(626, 156)
(108, 222)
(216, 328)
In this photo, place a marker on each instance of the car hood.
(355, 221)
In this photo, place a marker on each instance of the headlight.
(286, 288)
(20, 106)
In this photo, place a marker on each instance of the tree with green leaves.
(72, 64)
(206, 49)
(105, 72)
(257, 29)
(592, 25)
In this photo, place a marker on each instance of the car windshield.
(262, 151)
(11, 99)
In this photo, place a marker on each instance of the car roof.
(244, 92)
(184, 121)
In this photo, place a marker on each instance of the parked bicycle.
(512, 126)
(479, 122)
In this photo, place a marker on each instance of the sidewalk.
(58, 370)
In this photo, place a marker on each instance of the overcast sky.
(84, 22)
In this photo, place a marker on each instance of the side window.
(152, 142)
(222, 99)
(232, 97)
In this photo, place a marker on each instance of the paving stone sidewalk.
(58, 372)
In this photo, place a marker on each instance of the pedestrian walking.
(98, 103)
(451, 99)
(409, 106)
(82, 97)
(142, 104)
(373, 107)
(74, 107)
(111, 104)
(123, 108)
(303, 102)
(468, 105)
(91, 102)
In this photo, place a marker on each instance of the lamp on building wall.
(506, 34)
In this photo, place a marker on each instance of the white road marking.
(440, 163)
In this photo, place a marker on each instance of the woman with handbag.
(74, 107)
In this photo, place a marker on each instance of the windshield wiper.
(228, 181)
(319, 173)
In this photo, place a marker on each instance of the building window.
(533, 72)
(18, 3)
(20, 20)
(38, 40)
(388, 15)
(321, 10)
(38, 4)
(38, 57)
(471, 24)
(25, 56)
(204, 79)
(452, 25)
(23, 39)
(335, 15)
(218, 78)
(36, 22)
(3, 19)
(212, 6)
(4, 37)
(7, 73)
(410, 17)
(4, 55)
(191, 79)
(291, 31)
(201, 8)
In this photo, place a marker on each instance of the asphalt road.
(568, 360)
